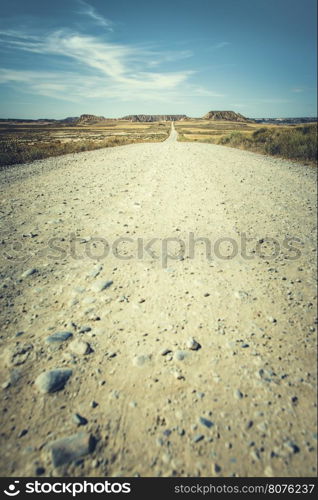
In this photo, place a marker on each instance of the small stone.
(198, 438)
(23, 433)
(94, 404)
(238, 394)
(216, 468)
(39, 471)
(164, 352)
(79, 420)
(58, 337)
(29, 272)
(140, 360)
(193, 344)
(207, 423)
(293, 447)
(272, 320)
(6, 384)
(66, 450)
(80, 348)
(95, 272)
(85, 329)
(244, 346)
(53, 380)
(112, 354)
(179, 355)
(101, 285)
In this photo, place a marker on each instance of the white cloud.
(297, 90)
(89, 11)
(220, 45)
(98, 69)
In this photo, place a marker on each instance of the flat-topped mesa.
(89, 119)
(225, 115)
(154, 118)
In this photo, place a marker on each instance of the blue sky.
(117, 57)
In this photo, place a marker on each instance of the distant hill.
(154, 118)
(225, 115)
(89, 120)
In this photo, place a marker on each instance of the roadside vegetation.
(289, 141)
(26, 143)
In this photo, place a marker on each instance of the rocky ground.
(138, 357)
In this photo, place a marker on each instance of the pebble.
(80, 348)
(66, 450)
(58, 337)
(140, 360)
(198, 438)
(238, 394)
(179, 355)
(165, 351)
(29, 272)
(216, 468)
(53, 380)
(207, 423)
(293, 447)
(85, 329)
(101, 285)
(95, 272)
(79, 420)
(193, 344)
(23, 433)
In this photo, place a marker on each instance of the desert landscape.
(158, 247)
(158, 313)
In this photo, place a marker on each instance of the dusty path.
(244, 403)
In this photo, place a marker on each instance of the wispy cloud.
(220, 45)
(98, 68)
(89, 11)
(297, 90)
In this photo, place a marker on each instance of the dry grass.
(298, 142)
(24, 143)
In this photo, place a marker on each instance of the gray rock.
(165, 351)
(17, 355)
(193, 344)
(101, 285)
(80, 348)
(53, 380)
(95, 272)
(79, 420)
(179, 355)
(29, 272)
(198, 438)
(140, 360)
(207, 423)
(238, 394)
(85, 329)
(66, 450)
(58, 337)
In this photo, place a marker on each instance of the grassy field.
(297, 142)
(22, 143)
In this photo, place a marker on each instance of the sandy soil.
(239, 399)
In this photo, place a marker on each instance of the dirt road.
(184, 278)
